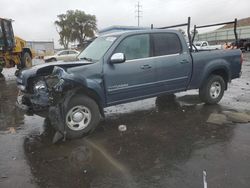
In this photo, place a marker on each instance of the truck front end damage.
(47, 96)
(41, 92)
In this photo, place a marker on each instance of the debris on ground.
(57, 137)
(237, 117)
(122, 128)
(204, 179)
(218, 119)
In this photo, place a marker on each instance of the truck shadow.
(156, 141)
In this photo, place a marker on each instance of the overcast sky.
(34, 19)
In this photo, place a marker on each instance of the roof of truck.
(118, 33)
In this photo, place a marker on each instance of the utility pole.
(138, 12)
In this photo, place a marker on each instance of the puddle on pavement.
(156, 140)
(10, 116)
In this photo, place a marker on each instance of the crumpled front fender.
(72, 81)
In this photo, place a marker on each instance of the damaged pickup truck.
(123, 67)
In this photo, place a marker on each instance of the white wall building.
(41, 48)
(226, 33)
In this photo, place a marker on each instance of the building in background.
(226, 33)
(41, 48)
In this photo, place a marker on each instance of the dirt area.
(158, 142)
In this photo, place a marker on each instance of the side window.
(166, 44)
(72, 52)
(63, 53)
(135, 47)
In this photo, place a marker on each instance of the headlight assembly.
(40, 87)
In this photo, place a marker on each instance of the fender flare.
(221, 68)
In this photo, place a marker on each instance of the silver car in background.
(64, 55)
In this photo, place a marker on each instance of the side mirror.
(117, 58)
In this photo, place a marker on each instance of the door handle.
(184, 61)
(146, 67)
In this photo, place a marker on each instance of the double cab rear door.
(156, 63)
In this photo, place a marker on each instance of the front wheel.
(213, 90)
(81, 116)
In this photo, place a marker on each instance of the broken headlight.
(40, 87)
(60, 73)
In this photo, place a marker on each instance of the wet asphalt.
(167, 143)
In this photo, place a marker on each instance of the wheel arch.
(92, 94)
(222, 71)
(79, 89)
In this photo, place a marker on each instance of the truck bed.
(203, 62)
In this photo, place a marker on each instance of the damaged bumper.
(32, 104)
(43, 92)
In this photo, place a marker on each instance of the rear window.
(166, 44)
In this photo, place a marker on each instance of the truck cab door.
(174, 63)
(134, 78)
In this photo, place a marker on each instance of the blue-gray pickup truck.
(123, 67)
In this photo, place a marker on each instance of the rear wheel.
(26, 60)
(81, 116)
(1, 69)
(213, 90)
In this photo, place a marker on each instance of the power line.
(138, 12)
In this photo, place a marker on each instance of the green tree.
(63, 30)
(75, 26)
(84, 25)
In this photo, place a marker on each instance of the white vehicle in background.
(204, 45)
(64, 55)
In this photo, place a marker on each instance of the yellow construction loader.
(13, 50)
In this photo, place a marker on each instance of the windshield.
(97, 48)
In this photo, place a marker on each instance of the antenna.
(138, 12)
